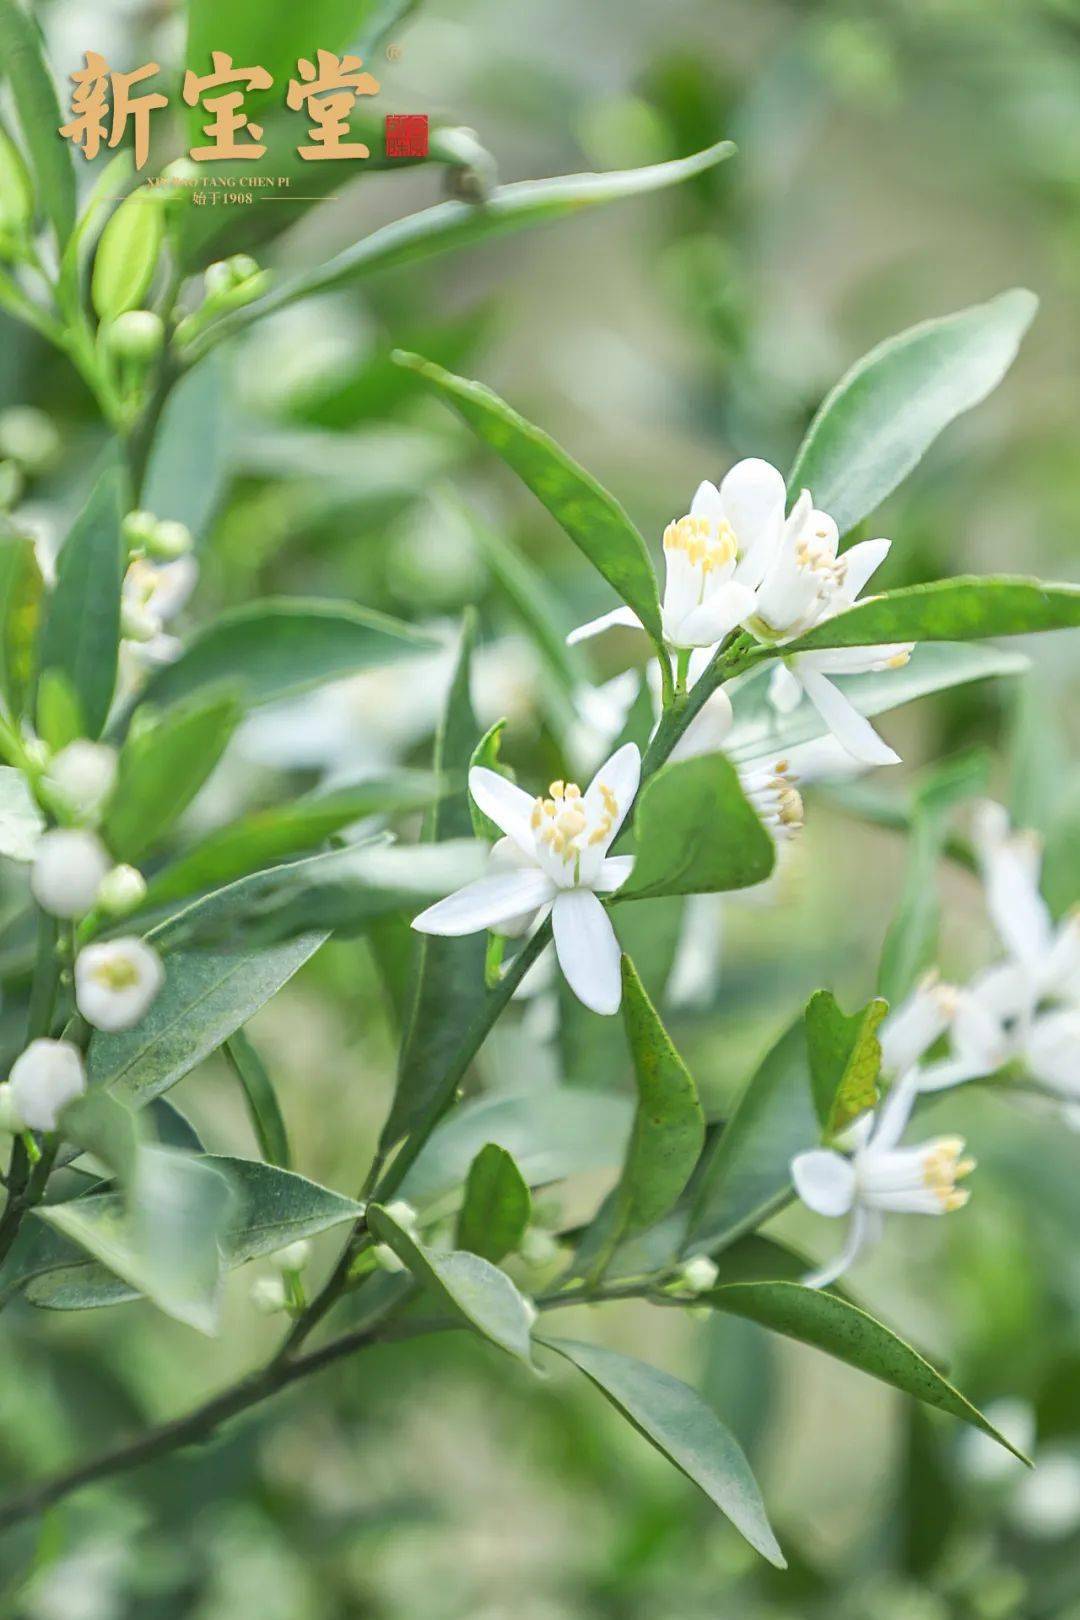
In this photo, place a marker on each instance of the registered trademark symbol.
(393, 53)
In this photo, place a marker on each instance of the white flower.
(714, 558)
(121, 890)
(83, 774)
(1043, 958)
(556, 859)
(876, 1175)
(294, 1257)
(68, 868)
(978, 1044)
(1046, 1501)
(116, 981)
(153, 594)
(806, 583)
(44, 1079)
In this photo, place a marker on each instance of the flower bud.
(294, 1257)
(67, 872)
(138, 335)
(538, 1248)
(385, 1258)
(83, 774)
(44, 1079)
(11, 1121)
(121, 890)
(16, 190)
(403, 1214)
(29, 437)
(116, 981)
(138, 529)
(168, 540)
(268, 1295)
(698, 1274)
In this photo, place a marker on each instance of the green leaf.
(551, 1134)
(188, 469)
(281, 646)
(22, 51)
(21, 595)
(166, 1245)
(472, 1289)
(267, 836)
(486, 753)
(832, 1324)
(696, 833)
(81, 632)
(845, 1059)
(667, 1135)
(162, 768)
(275, 1207)
(263, 1108)
(881, 418)
(450, 985)
(59, 719)
(758, 729)
(99, 1124)
(128, 252)
(592, 517)
(910, 945)
(968, 608)
(674, 1418)
(451, 225)
(747, 1173)
(497, 1205)
(21, 822)
(207, 996)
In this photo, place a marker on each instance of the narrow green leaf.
(267, 836)
(696, 833)
(967, 608)
(263, 1108)
(474, 1290)
(59, 717)
(882, 417)
(21, 595)
(450, 972)
(592, 517)
(190, 457)
(22, 51)
(162, 768)
(497, 1205)
(81, 632)
(832, 1324)
(674, 1418)
(281, 646)
(748, 1172)
(127, 253)
(845, 1059)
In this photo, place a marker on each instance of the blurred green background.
(896, 162)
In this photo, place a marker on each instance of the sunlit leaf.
(845, 1059)
(696, 833)
(964, 609)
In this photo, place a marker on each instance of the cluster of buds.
(161, 575)
(228, 284)
(283, 1291)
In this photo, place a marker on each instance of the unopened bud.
(294, 1257)
(68, 869)
(29, 437)
(268, 1295)
(82, 774)
(138, 335)
(138, 529)
(403, 1214)
(16, 190)
(169, 540)
(44, 1079)
(698, 1274)
(385, 1258)
(538, 1248)
(121, 890)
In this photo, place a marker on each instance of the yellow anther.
(557, 789)
(549, 807)
(955, 1199)
(570, 822)
(537, 816)
(899, 659)
(572, 791)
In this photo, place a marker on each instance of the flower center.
(117, 973)
(562, 824)
(943, 1167)
(706, 545)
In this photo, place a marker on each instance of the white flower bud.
(67, 872)
(121, 890)
(385, 1258)
(268, 1295)
(11, 1121)
(294, 1257)
(698, 1274)
(29, 437)
(403, 1214)
(44, 1079)
(538, 1248)
(83, 774)
(116, 981)
(168, 540)
(137, 335)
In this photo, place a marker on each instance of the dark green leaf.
(841, 1329)
(474, 1290)
(22, 52)
(497, 1205)
(675, 1419)
(162, 768)
(882, 417)
(845, 1059)
(189, 459)
(81, 632)
(273, 648)
(486, 753)
(263, 1108)
(275, 1207)
(592, 518)
(964, 609)
(696, 833)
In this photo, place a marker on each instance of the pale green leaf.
(967, 608)
(696, 833)
(22, 53)
(81, 631)
(162, 767)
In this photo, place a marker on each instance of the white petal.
(862, 561)
(858, 660)
(845, 722)
(486, 903)
(621, 773)
(707, 503)
(894, 1113)
(587, 949)
(824, 1180)
(708, 729)
(509, 807)
(607, 621)
(785, 689)
(613, 873)
(865, 1228)
(726, 607)
(753, 495)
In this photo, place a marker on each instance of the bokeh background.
(896, 161)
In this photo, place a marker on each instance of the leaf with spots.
(845, 1059)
